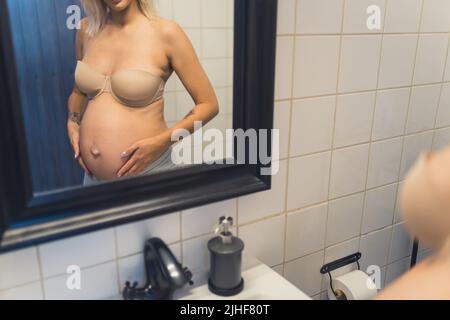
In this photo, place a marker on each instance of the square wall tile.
(202, 220)
(131, 237)
(423, 108)
(441, 139)
(214, 13)
(319, 16)
(435, 16)
(31, 291)
(402, 16)
(286, 17)
(312, 125)
(217, 71)
(384, 163)
(57, 256)
(282, 122)
(349, 170)
(264, 240)
(164, 8)
(443, 114)
(284, 65)
(360, 57)
(305, 231)
(396, 269)
(430, 60)
(18, 267)
(214, 43)
(187, 13)
(344, 218)
(413, 147)
(304, 273)
(391, 110)
(195, 253)
(379, 208)
(357, 14)
(308, 179)
(397, 60)
(316, 65)
(230, 14)
(354, 114)
(401, 243)
(97, 283)
(259, 205)
(374, 248)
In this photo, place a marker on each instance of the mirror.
(59, 74)
(104, 97)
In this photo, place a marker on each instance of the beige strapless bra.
(130, 87)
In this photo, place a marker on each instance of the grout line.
(116, 249)
(291, 109)
(334, 124)
(402, 152)
(366, 143)
(344, 93)
(369, 153)
(349, 34)
(41, 272)
(181, 235)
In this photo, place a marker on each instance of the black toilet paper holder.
(342, 262)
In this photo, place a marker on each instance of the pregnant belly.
(109, 128)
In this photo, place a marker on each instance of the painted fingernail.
(124, 154)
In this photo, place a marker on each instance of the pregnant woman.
(125, 54)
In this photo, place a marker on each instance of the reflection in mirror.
(107, 85)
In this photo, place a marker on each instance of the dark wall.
(45, 60)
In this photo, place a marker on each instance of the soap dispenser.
(226, 260)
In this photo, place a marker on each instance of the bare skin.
(429, 280)
(114, 140)
(425, 202)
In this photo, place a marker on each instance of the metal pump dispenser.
(226, 259)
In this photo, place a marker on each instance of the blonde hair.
(97, 13)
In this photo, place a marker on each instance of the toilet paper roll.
(355, 285)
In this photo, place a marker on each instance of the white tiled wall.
(355, 109)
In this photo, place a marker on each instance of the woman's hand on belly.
(74, 135)
(143, 153)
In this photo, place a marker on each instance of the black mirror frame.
(28, 219)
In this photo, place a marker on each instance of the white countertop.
(260, 283)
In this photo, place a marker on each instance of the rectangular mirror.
(115, 111)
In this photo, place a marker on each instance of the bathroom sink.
(261, 283)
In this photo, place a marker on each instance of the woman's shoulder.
(168, 29)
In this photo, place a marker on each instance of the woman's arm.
(76, 106)
(184, 61)
(186, 64)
